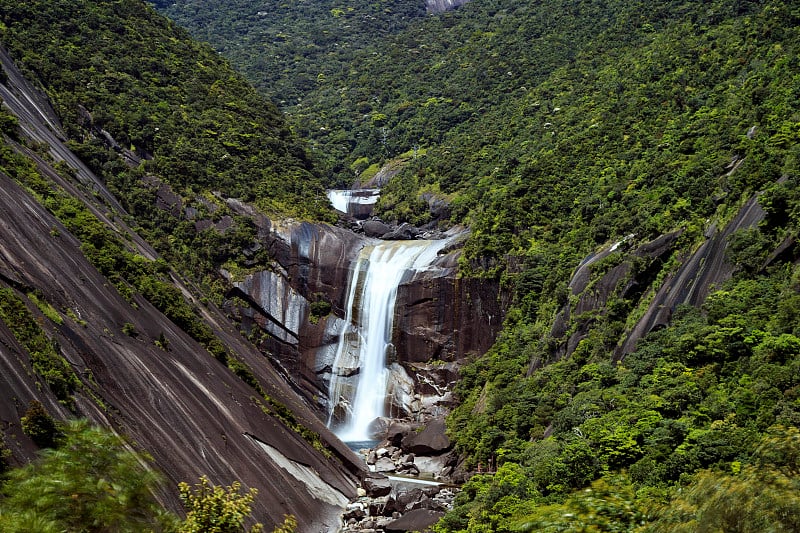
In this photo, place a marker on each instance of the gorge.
(582, 272)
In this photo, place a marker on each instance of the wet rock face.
(276, 307)
(436, 315)
(178, 403)
(441, 317)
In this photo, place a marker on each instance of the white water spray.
(359, 378)
(345, 199)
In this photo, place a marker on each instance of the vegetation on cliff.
(157, 116)
(177, 136)
(94, 481)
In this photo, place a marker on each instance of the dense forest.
(553, 130)
(149, 109)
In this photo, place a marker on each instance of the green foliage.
(171, 101)
(128, 86)
(8, 123)
(699, 394)
(129, 330)
(293, 49)
(91, 483)
(216, 509)
(94, 481)
(761, 496)
(46, 309)
(609, 505)
(46, 360)
(319, 308)
(40, 426)
(5, 454)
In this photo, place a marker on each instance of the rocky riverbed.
(411, 483)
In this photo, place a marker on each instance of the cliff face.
(437, 315)
(180, 404)
(440, 316)
(633, 274)
(277, 307)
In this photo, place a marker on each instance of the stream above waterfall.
(360, 378)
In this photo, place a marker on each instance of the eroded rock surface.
(176, 401)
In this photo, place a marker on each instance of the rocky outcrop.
(628, 273)
(416, 520)
(310, 270)
(403, 509)
(697, 276)
(432, 440)
(439, 316)
(631, 274)
(411, 495)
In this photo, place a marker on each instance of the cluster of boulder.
(378, 229)
(394, 506)
(414, 449)
(409, 486)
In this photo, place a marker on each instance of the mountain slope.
(94, 322)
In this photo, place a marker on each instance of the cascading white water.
(366, 340)
(344, 199)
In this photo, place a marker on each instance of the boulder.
(416, 520)
(403, 232)
(375, 228)
(396, 432)
(385, 464)
(376, 485)
(432, 440)
(407, 498)
(378, 506)
(377, 428)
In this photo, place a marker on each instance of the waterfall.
(355, 202)
(359, 378)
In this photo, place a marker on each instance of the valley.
(542, 253)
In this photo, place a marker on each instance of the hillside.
(287, 49)
(629, 172)
(124, 146)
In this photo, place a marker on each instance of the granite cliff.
(134, 369)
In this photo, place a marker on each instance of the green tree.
(215, 509)
(93, 482)
(609, 505)
(763, 496)
(5, 453)
(40, 426)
